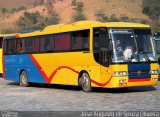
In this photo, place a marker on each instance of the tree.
(21, 8)
(78, 6)
(125, 19)
(113, 18)
(53, 19)
(35, 21)
(74, 2)
(151, 8)
(79, 16)
(29, 20)
(49, 6)
(38, 3)
(13, 10)
(101, 16)
(4, 11)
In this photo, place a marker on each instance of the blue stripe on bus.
(14, 64)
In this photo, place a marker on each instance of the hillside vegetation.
(36, 14)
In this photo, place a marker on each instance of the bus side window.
(86, 40)
(62, 42)
(20, 46)
(33, 44)
(29, 45)
(47, 43)
(80, 40)
(76, 41)
(11, 46)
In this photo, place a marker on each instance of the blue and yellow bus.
(156, 37)
(86, 53)
(1, 39)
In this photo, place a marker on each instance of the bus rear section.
(1, 70)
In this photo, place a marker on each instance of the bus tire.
(85, 82)
(23, 79)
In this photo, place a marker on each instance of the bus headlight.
(153, 72)
(120, 73)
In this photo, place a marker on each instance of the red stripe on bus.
(62, 67)
(139, 80)
(48, 80)
(39, 68)
(101, 84)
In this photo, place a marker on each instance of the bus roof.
(126, 24)
(6, 35)
(81, 25)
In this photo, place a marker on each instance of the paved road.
(40, 97)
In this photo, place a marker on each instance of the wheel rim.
(85, 81)
(24, 78)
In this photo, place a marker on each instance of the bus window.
(1, 38)
(80, 40)
(20, 48)
(62, 42)
(11, 46)
(47, 43)
(85, 43)
(33, 44)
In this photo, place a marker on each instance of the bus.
(156, 37)
(1, 38)
(85, 53)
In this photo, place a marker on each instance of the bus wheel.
(85, 82)
(23, 79)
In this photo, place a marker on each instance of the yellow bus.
(85, 53)
(1, 39)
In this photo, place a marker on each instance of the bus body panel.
(65, 68)
(62, 71)
(13, 65)
(32, 71)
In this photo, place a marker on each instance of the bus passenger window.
(62, 42)
(20, 46)
(47, 43)
(11, 46)
(29, 45)
(33, 44)
(80, 40)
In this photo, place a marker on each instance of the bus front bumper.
(120, 82)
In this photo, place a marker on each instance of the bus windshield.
(157, 46)
(132, 45)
